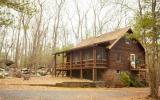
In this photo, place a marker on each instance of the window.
(132, 57)
(76, 57)
(132, 60)
(118, 71)
(88, 54)
(127, 41)
(100, 53)
(138, 59)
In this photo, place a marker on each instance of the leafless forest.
(32, 30)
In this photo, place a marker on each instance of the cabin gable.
(119, 54)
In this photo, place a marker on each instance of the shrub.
(131, 81)
(125, 78)
(1, 76)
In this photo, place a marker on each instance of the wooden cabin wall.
(100, 74)
(119, 55)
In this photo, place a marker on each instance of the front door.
(132, 61)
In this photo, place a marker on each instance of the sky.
(111, 12)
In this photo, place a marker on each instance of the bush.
(1, 76)
(125, 78)
(131, 81)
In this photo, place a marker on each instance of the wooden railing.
(82, 64)
(139, 67)
(142, 71)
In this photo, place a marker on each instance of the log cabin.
(92, 57)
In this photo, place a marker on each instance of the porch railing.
(141, 66)
(82, 64)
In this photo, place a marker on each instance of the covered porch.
(81, 63)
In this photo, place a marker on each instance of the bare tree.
(18, 44)
(100, 21)
(56, 21)
(3, 35)
(25, 25)
(59, 4)
(78, 27)
(153, 67)
(36, 38)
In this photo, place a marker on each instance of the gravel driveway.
(18, 89)
(72, 94)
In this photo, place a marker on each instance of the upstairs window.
(100, 53)
(87, 54)
(132, 57)
(76, 57)
(127, 41)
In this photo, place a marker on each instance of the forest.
(31, 31)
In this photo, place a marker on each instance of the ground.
(18, 89)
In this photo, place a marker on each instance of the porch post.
(70, 65)
(81, 70)
(63, 65)
(94, 70)
(55, 65)
(63, 59)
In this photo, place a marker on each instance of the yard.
(39, 80)
(19, 89)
